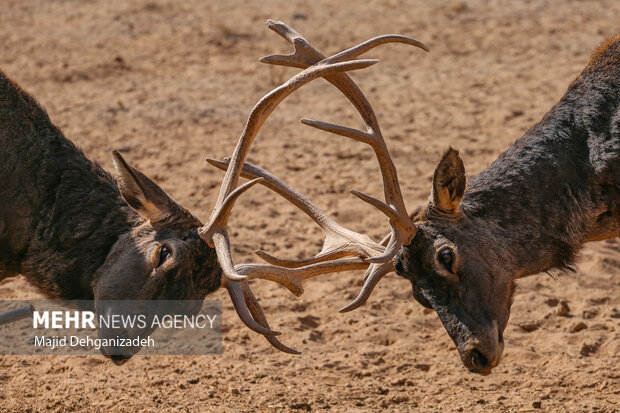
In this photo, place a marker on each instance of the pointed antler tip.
(218, 163)
(350, 307)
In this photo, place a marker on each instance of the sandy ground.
(170, 83)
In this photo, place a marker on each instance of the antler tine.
(373, 275)
(304, 54)
(370, 44)
(251, 313)
(219, 240)
(291, 278)
(239, 303)
(339, 241)
(259, 316)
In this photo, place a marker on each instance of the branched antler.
(343, 249)
(214, 231)
(403, 228)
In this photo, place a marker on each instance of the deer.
(462, 250)
(77, 233)
(531, 211)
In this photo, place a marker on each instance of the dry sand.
(170, 83)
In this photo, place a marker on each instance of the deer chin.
(119, 353)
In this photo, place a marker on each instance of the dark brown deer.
(77, 233)
(530, 211)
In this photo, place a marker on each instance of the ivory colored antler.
(403, 228)
(343, 249)
(214, 231)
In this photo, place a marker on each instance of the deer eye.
(446, 257)
(161, 255)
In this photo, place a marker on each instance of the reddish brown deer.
(78, 234)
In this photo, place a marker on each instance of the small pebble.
(588, 349)
(552, 302)
(423, 367)
(563, 309)
(529, 327)
(589, 314)
(578, 327)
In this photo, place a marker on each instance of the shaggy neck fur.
(60, 212)
(558, 186)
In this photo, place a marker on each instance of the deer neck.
(60, 212)
(547, 192)
(79, 229)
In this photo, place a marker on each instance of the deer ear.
(142, 194)
(449, 182)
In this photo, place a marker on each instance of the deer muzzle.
(482, 352)
(480, 344)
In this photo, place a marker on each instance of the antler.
(402, 226)
(339, 242)
(305, 55)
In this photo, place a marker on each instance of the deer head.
(471, 292)
(161, 257)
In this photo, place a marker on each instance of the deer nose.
(478, 360)
(119, 360)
